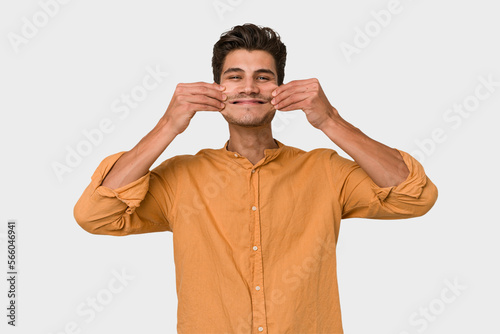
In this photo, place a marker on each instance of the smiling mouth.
(248, 102)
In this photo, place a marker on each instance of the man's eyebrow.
(265, 70)
(237, 69)
(233, 69)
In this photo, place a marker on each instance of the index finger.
(212, 85)
(212, 90)
(290, 84)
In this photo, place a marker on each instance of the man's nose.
(249, 86)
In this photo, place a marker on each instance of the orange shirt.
(254, 245)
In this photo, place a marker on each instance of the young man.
(255, 223)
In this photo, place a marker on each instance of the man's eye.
(234, 77)
(264, 78)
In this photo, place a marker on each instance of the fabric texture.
(254, 244)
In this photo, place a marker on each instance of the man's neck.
(251, 142)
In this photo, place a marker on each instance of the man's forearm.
(135, 163)
(384, 165)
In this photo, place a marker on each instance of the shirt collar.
(269, 154)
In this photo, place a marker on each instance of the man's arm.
(383, 164)
(124, 197)
(186, 101)
(381, 182)
(135, 163)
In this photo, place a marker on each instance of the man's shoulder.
(183, 160)
(178, 160)
(315, 152)
(317, 157)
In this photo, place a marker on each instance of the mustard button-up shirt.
(254, 244)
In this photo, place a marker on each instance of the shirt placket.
(259, 324)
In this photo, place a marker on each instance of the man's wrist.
(334, 123)
(329, 118)
(165, 129)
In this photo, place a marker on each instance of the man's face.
(249, 77)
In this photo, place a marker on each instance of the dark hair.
(249, 37)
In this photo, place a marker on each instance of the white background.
(64, 79)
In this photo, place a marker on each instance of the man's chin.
(247, 118)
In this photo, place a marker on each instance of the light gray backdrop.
(422, 76)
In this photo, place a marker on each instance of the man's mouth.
(252, 101)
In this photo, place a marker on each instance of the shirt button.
(254, 208)
(257, 288)
(253, 171)
(255, 248)
(236, 154)
(260, 329)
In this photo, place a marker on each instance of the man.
(255, 223)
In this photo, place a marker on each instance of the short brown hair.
(249, 37)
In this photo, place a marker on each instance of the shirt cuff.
(131, 194)
(412, 186)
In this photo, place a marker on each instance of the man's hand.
(189, 98)
(308, 96)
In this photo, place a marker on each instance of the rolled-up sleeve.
(141, 206)
(360, 197)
